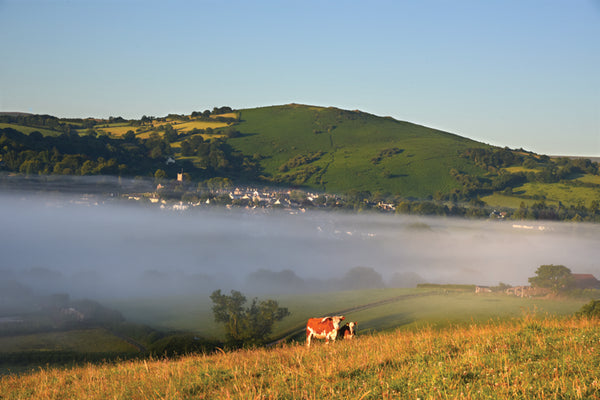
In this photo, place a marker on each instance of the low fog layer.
(99, 249)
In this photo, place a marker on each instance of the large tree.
(246, 326)
(553, 277)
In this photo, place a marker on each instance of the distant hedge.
(445, 286)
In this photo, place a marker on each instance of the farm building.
(586, 281)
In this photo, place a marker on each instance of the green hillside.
(363, 159)
(352, 150)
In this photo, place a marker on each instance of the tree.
(362, 278)
(170, 133)
(246, 326)
(129, 136)
(553, 277)
(160, 175)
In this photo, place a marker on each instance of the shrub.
(590, 310)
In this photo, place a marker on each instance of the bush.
(590, 310)
(182, 344)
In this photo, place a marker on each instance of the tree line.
(73, 154)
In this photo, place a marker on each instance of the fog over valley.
(55, 244)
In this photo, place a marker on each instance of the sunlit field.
(526, 358)
(501, 200)
(567, 194)
(188, 126)
(376, 310)
(117, 130)
(28, 129)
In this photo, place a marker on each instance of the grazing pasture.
(80, 340)
(28, 129)
(117, 129)
(375, 310)
(527, 357)
(565, 193)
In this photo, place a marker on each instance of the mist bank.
(100, 250)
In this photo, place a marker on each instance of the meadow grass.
(502, 200)
(188, 126)
(117, 130)
(589, 178)
(567, 194)
(524, 358)
(350, 142)
(519, 168)
(226, 115)
(80, 340)
(28, 129)
(411, 309)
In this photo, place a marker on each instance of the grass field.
(338, 151)
(188, 126)
(117, 130)
(500, 200)
(524, 358)
(27, 129)
(587, 178)
(350, 142)
(555, 192)
(412, 308)
(226, 115)
(516, 169)
(85, 341)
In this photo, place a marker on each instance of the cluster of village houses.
(252, 197)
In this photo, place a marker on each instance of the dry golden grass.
(116, 130)
(226, 115)
(526, 358)
(188, 126)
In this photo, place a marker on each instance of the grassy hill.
(351, 150)
(366, 157)
(522, 358)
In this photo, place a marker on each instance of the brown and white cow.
(323, 328)
(348, 330)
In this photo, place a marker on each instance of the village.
(168, 196)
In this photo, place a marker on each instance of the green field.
(405, 308)
(500, 201)
(587, 178)
(350, 141)
(360, 155)
(84, 341)
(28, 129)
(565, 193)
(376, 311)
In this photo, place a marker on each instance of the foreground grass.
(522, 358)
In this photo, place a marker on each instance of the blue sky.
(517, 73)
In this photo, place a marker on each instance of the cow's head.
(336, 321)
(352, 326)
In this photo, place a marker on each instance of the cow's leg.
(308, 336)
